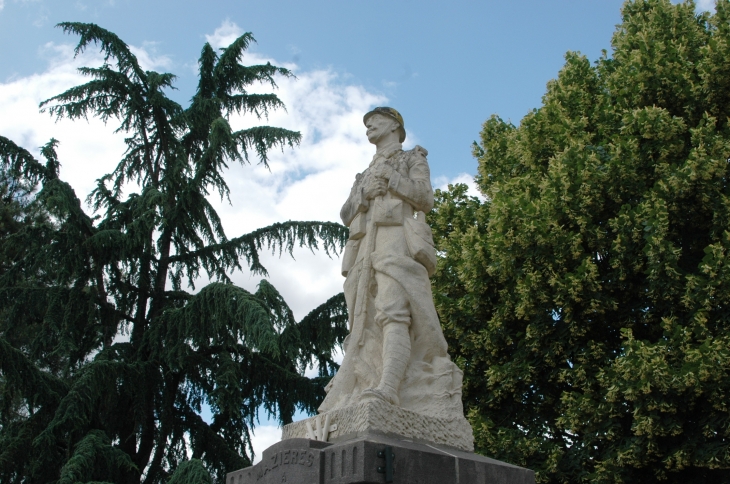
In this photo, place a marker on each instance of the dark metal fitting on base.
(389, 457)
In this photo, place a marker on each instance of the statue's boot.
(396, 353)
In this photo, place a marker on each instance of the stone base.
(378, 417)
(363, 461)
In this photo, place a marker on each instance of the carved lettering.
(288, 457)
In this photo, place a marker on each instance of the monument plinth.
(374, 460)
(393, 412)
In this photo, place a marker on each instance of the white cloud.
(307, 183)
(263, 437)
(224, 35)
(147, 58)
(2, 4)
(443, 183)
(705, 5)
(87, 150)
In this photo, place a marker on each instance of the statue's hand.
(376, 187)
(383, 171)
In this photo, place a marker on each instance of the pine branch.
(77, 408)
(258, 104)
(16, 444)
(20, 376)
(92, 454)
(191, 472)
(219, 314)
(204, 440)
(19, 162)
(323, 329)
(281, 314)
(279, 237)
(263, 138)
(107, 97)
(110, 45)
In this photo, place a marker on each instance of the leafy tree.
(105, 360)
(588, 298)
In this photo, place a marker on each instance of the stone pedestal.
(365, 460)
(377, 416)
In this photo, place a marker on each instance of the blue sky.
(446, 66)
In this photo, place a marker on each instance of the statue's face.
(380, 126)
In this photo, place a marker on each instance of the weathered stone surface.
(383, 418)
(293, 460)
(357, 461)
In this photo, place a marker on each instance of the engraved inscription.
(300, 457)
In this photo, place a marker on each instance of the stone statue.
(396, 351)
(393, 411)
(396, 378)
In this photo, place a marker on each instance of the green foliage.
(588, 298)
(106, 362)
(191, 472)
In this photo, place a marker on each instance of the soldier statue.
(396, 351)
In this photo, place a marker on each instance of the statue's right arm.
(355, 203)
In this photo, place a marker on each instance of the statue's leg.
(393, 316)
(396, 353)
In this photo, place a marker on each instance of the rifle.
(363, 280)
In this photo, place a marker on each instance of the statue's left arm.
(355, 203)
(416, 187)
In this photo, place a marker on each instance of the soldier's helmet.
(392, 113)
